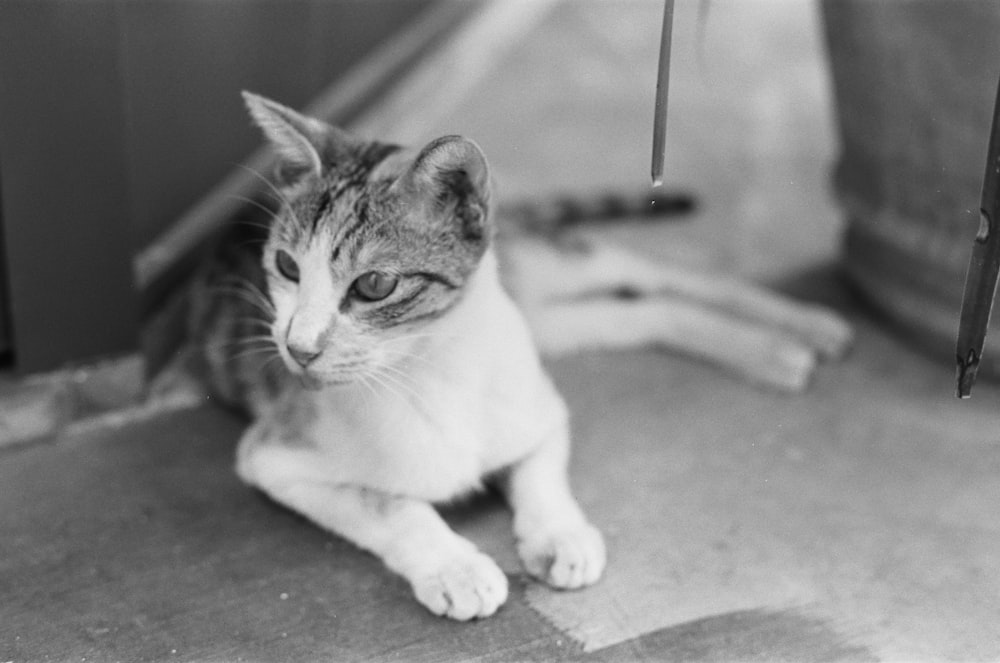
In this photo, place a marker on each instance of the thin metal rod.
(984, 268)
(662, 85)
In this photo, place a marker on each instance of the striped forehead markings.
(351, 175)
(322, 207)
(353, 178)
(359, 211)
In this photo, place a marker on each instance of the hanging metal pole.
(662, 84)
(984, 267)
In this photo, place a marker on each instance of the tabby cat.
(386, 367)
(407, 376)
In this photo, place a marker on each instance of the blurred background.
(122, 127)
(121, 118)
(836, 151)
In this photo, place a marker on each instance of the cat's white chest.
(437, 434)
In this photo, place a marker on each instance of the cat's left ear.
(304, 144)
(452, 171)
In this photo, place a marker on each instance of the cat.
(375, 342)
(407, 376)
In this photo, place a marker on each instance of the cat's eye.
(374, 286)
(286, 265)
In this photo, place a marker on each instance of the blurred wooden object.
(914, 84)
(984, 266)
(65, 171)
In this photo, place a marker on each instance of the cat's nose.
(303, 356)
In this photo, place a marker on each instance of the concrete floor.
(855, 522)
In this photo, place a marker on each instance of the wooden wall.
(115, 117)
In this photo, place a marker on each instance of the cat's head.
(372, 244)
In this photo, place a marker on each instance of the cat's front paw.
(565, 558)
(463, 587)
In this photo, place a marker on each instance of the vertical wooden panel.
(65, 182)
(5, 346)
(116, 116)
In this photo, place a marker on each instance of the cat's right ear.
(452, 172)
(305, 145)
(295, 137)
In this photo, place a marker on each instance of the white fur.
(469, 399)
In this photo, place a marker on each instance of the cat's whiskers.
(242, 342)
(250, 352)
(265, 366)
(390, 351)
(255, 338)
(264, 303)
(247, 320)
(251, 242)
(406, 337)
(398, 387)
(400, 357)
(254, 289)
(375, 377)
(413, 337)
(394, 389)
(403, 381)
(250, 294)
(401, 374)
(281, 197)
(272, 214)
(363, 379)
